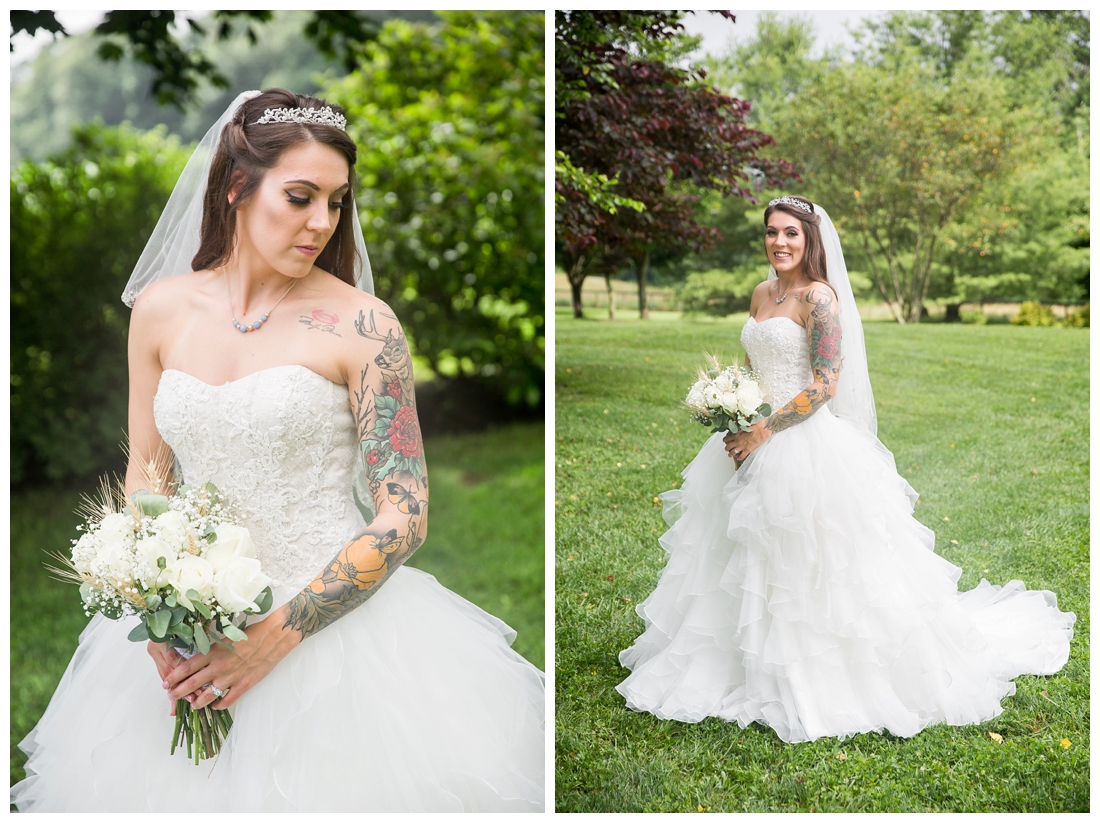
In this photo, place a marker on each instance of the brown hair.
(813, 259)
(246, 151)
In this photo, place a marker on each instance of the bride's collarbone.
(227, 355)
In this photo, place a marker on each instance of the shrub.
(1032, 313)
(719, 293)
(78, 224)
(1078, 318)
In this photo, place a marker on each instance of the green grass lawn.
(485, 541)
(989, 423)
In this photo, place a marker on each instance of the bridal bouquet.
(173, 557)
(727, 398)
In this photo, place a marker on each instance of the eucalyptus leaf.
(158, 623)
(201, 640)
(153, 601)
(196, 601)
(178, 613)
(170, 600)
(138, 633)
(184, 631)
(263, 603)
(150, 504)
(233, 633)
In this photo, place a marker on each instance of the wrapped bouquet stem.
(172, 555)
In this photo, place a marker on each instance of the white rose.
(84, 552)
(115, 529)
(749, 397)
(113, 562)
(711, 395)
(149, 551)
(191, 572)
(728, 400)
(239, 584)
(231, 542)
(724, 383)
(173, 528)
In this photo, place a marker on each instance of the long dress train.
(801, 593)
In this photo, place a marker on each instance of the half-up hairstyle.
(246, 151)
(813, 258)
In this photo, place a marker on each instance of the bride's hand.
(166, 659)
(234, 670)
(741, 444)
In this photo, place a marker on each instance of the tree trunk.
(643, 273)
(576, 280)
(952, 315)
(610, 298)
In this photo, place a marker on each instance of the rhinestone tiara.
(790, 201)
(325, 117)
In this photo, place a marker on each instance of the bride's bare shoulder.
(759, 295)
(166, 297)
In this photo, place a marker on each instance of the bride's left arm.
(823, 329)
(384, 407)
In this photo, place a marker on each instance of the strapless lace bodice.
(780, 352)
(280, 445)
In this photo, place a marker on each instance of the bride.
(800, 592)
(368, 686)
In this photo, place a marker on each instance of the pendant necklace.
(779, 300)
(263, 317)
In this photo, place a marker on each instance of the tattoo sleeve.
(384, 408)
(823, 329)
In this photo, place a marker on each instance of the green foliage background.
(78, 224)
(449, 121)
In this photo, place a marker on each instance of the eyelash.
(302, 201)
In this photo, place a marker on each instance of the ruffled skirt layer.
(801, 593)
(413, 702)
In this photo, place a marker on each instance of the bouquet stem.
(202, 731)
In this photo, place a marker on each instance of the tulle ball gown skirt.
(412, 702)
(801, 593)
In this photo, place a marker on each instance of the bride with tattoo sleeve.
(800, 592)
(257, 360)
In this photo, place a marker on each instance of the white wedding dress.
(412, 702)
(801, 593)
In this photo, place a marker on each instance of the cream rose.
(84, 552)
(191, 572)
(749, 398)
(239, 584)
(711, 395)
(231, 542)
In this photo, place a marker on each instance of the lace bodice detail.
(280, 445)
(780, 352)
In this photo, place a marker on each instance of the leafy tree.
(177, 71)
(78, 223)
(656, 129)
(449, 122)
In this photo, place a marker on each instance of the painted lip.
(308, 251)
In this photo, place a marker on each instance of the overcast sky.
(830, 28)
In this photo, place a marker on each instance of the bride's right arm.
(143, 356)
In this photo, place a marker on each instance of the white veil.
(175, 240)
(853, 400)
